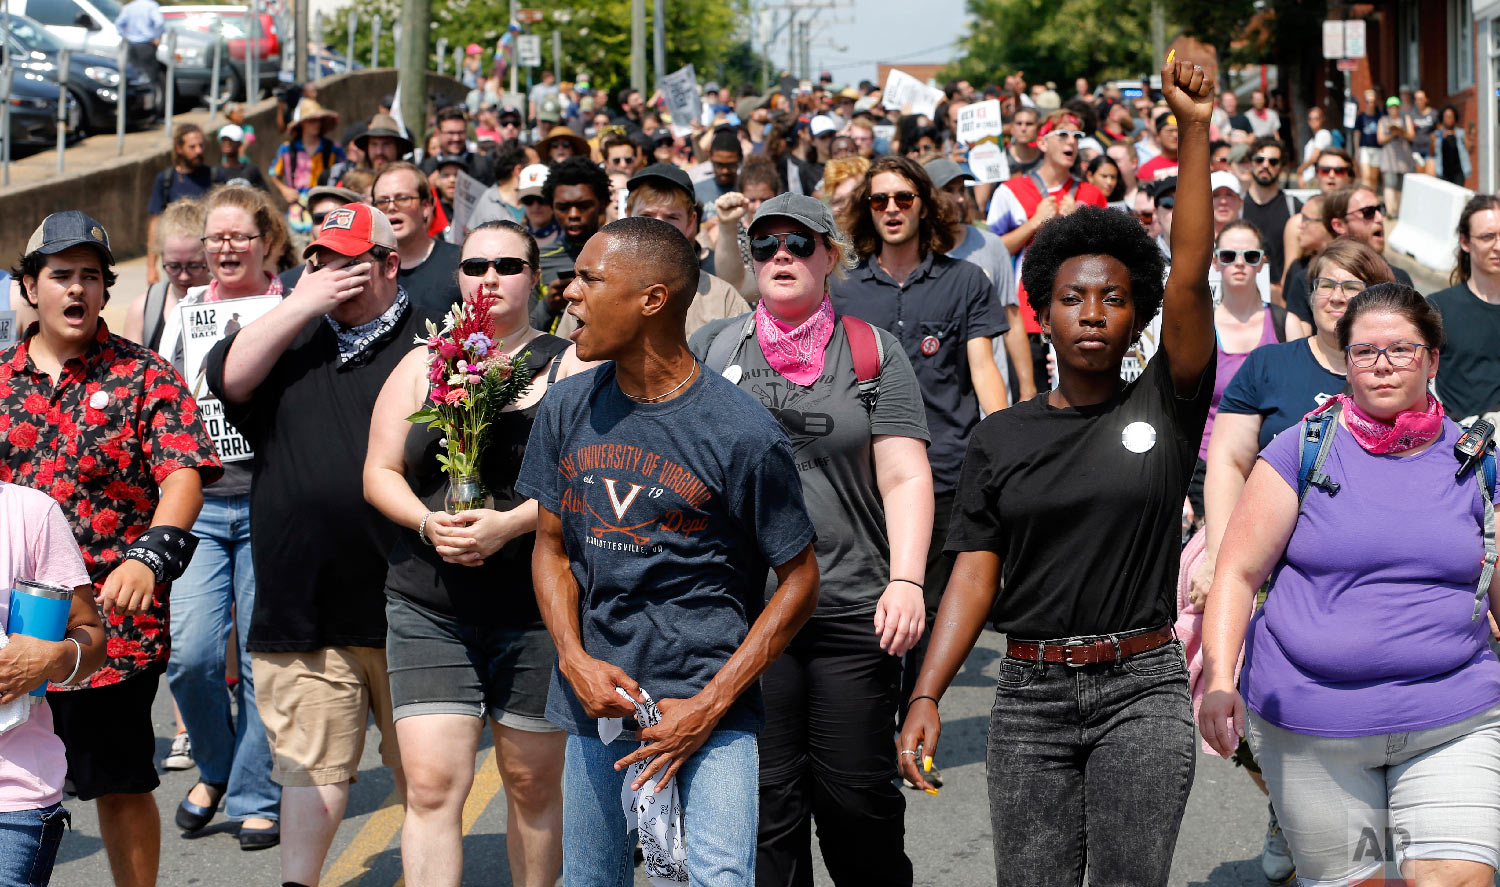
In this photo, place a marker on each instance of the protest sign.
(909, 95)
(680, 90)
(202, 325)
(465, 195)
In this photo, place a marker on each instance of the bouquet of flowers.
(471, 380)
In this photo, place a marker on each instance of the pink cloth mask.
(795, 352)
(1412, 428)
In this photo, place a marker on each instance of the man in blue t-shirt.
(665, 492)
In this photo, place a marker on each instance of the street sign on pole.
(1348, 64)
(1333, 39)
(528, 50)
(1354, 38)
(528, 16)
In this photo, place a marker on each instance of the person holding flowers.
(466, 641)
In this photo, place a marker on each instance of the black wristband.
(166, 550)
(909, 582)
(915, 698)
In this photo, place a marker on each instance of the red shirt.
(1157, 167)
(100, 441)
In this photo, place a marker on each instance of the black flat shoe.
(193, 817)
(260, 838)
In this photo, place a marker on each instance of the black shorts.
(107, 733)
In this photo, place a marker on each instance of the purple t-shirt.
(1229, 363)
(1368, 628)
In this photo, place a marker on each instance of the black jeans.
(939, 568)
(1089, 766)
(828, 752)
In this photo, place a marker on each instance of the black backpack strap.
(155, 315)
(555, 366)
(1278, 320)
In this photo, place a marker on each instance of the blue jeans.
(1091, 763)
(28, 845)
(220, 577)
(717, 787)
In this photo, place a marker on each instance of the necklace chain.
(691, 373)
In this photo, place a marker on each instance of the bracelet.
(915, 698)
(77, 663)
(910, 582)
(422, 530)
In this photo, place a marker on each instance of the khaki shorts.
(316, 706)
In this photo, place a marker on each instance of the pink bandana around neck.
(1412, 428)
(795, 352)
(273, 288)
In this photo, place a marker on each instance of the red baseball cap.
(352, 229)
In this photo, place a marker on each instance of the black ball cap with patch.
(66, 230)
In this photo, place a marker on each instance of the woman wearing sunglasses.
(1075, 499)
(466, 644)
(1373, 698)
(831, 698)
(240, 236)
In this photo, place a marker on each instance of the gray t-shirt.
(987, 250)
(831, 434)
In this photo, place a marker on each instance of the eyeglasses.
(1487, 239)
(236, 242)
(398, 201)
(1368, 213)
(1251, 256)
(765, 247)
(1067, 132)
(1262, 159)
(1166, 202)
(199, 267)
(904, 200)
(505, 266)
(1333, 170)
(1326, 285)
(1399, 354)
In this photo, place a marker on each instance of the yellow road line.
(376, 834)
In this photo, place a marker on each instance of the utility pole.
(412, 63)
(301, 30)
(1158, 34)
(659, 48)
(638, 45)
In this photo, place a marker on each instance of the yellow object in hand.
(1171, 55)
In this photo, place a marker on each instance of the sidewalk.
(97, 150)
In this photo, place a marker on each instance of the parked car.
(33, 112)
(89, 26)
(94, 80)
(233, 23)
(325, 61)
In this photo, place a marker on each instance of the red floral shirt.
(100, 441)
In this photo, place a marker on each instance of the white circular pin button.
(1138, 437)
(734, 374)
(98, 400)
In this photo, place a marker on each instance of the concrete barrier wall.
(1428, 228)
(117, 192)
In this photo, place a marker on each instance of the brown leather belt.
(1104, 649)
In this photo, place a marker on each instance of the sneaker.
(181, 755)
(1275, 856)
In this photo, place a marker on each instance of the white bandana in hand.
(657, 815)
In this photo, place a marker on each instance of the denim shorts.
(439, 665)
(28, 845)
(1351, 805)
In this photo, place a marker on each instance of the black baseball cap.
(458, 160)
(663, 172)
(67, 229)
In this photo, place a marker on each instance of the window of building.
(1460, 45)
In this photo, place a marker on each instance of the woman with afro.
(1068, 521)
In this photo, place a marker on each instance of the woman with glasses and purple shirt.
(1373, 697)
(466, 645)
(831, 697)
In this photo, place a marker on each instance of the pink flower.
(474, 379)
(449, 350)
(440, 392)
(456, 396)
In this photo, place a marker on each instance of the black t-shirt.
(1295, 294)
(433, 285)
(498, 593)
(172, 185)
(1468, 379)
(481, 167)
(1271, 219)
(320, 549)
(1085, 506)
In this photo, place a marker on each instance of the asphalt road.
(947, 836)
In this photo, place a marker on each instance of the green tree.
(595, 34)
(1055, 40)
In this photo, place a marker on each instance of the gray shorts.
(1350, 805)
(439, 665)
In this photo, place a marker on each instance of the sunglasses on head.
(1260, 159)
(506, 266)
(1333, 170)
(1230, 256)
(904, 200)
(1166, 202)
(765, 247)
(1368, 213)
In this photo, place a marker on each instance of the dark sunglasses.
(506, 266)
(1166, 202)
(1333, 170)
(904, 200)
(1368, 213)
(1229, 256)
(765, 247)
(1268, 161)
(1146, 215)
